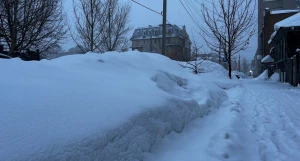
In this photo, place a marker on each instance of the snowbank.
(112, 106)
(215, 73)
(262, 76)
(275, 77)
(241, 74)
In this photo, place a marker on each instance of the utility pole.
(164, 27)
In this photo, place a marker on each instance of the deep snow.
(142, 106)
(112, 106)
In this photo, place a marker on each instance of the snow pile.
(275, 77)
(263, 76)
(215, 73)
(267, 59)
(240, 74)
(219, 75)
(112, 106)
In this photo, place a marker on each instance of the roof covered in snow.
(153, 32)
(283, 11)
(292, 21)
(267, 59)
(288, 22)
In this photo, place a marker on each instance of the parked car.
(3, 56)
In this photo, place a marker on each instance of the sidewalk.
(260, 121)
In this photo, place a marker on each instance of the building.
(286, 52)
(270, 19)
(149, 39)
(271, 5)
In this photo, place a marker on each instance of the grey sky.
(141, 17)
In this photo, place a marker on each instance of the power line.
(146, 7)
(190, 14)
(149, 9)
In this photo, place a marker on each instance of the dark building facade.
(286, 51)
(270, 18)
(272, 5)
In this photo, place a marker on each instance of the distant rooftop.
(151, 32)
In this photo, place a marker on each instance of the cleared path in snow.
(259, 122)
(221, 135)
(272, 111)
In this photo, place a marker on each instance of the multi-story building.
(149, 39)
(272, 6)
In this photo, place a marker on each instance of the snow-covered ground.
(112, 106)
(259, 122)
(142, 106)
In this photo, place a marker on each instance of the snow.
(263, 76)
(288, 22)
(283, 11)
(212, 137)
(275, 77)
(240, 74)
(259, 121)
(267, 59)
(141, 106)
(112, 106)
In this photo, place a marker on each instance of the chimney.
(183, 28)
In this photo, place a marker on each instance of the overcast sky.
(176, 14)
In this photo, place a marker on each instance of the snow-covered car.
(3, 56)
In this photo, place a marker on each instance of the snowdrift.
(111, 106)
(263, 76)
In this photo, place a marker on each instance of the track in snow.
(273, 112)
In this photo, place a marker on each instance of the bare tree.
(195, 61)
(89, 24)
(101, 25)
(31, 23)
(229, 24)
(114, 35)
